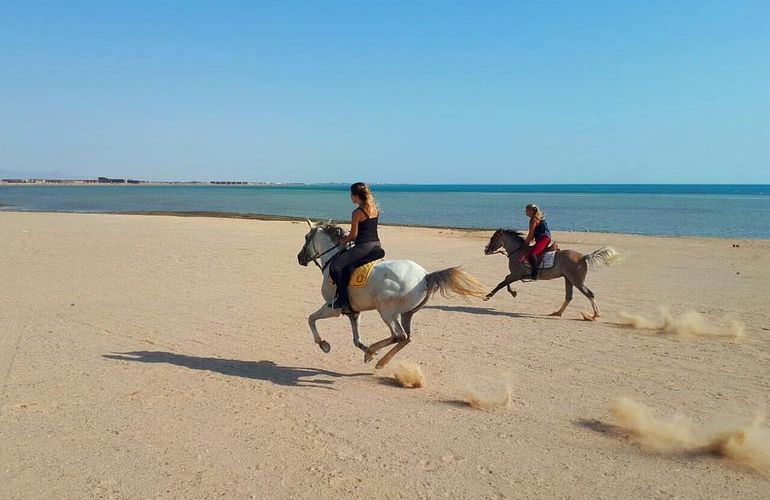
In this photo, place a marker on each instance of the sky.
(394, 91)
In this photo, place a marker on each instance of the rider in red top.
(538, 231)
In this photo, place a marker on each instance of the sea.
(725, 211)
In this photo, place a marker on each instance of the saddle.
(360, 275)
(546, 259)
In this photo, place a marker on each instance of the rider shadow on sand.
(257, 370)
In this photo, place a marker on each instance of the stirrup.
(344, 308)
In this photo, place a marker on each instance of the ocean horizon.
(711, 210)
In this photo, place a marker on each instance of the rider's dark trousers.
(343, 266)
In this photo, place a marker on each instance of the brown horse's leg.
(590, 295)
(507, 281)
(567, 297)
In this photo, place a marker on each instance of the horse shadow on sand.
(267, 371)
(488, 311)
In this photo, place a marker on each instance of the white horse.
(396, 288)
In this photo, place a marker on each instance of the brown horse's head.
(495, 243)
(504, 238)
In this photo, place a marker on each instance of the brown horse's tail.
(454, 280)
(605, 256)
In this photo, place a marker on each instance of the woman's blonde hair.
(364, 194)
(539, 214)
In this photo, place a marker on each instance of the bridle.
(315, 259)
(501, 250)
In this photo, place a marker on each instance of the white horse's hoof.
(325, 347)
(588, 318)
(486, 298)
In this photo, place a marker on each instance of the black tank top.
(367, 229)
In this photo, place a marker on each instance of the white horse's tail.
(605, 256)
(454, 280)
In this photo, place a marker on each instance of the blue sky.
(397, 91)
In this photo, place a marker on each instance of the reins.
(315, 259)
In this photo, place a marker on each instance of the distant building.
(107, 180)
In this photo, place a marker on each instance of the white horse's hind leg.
(354, 326)
(386, 359)
(396, 335)
(322, 313)
(406, 330)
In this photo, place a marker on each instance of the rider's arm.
(533, 222)
(355, 219)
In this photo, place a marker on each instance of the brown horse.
(569, 264)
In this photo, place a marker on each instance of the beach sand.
(154, 356)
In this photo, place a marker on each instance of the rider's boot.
(342, 304)
(533, 266)
(341, 300)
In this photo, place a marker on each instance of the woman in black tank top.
(363, 230)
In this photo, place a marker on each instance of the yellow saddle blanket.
(360, 276)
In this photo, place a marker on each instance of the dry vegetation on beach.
(161, 356)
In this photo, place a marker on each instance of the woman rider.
(538, 231)
(363, 230)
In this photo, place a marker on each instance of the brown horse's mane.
(516, 235)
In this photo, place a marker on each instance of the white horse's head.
(320, 239)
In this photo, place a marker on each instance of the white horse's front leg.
(322, 313)
(354, 326)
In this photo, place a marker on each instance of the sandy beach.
(156, 356)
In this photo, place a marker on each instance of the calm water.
(686, 210)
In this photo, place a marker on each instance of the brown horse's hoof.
(325, 346)
(368, 356)
(380, 364)
(588, 318)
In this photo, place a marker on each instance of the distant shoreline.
(96, 183)
(568, 188)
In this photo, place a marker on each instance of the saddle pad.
(360, 276)
(546, 262)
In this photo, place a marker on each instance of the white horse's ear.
(330, 222)
(309, 222)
